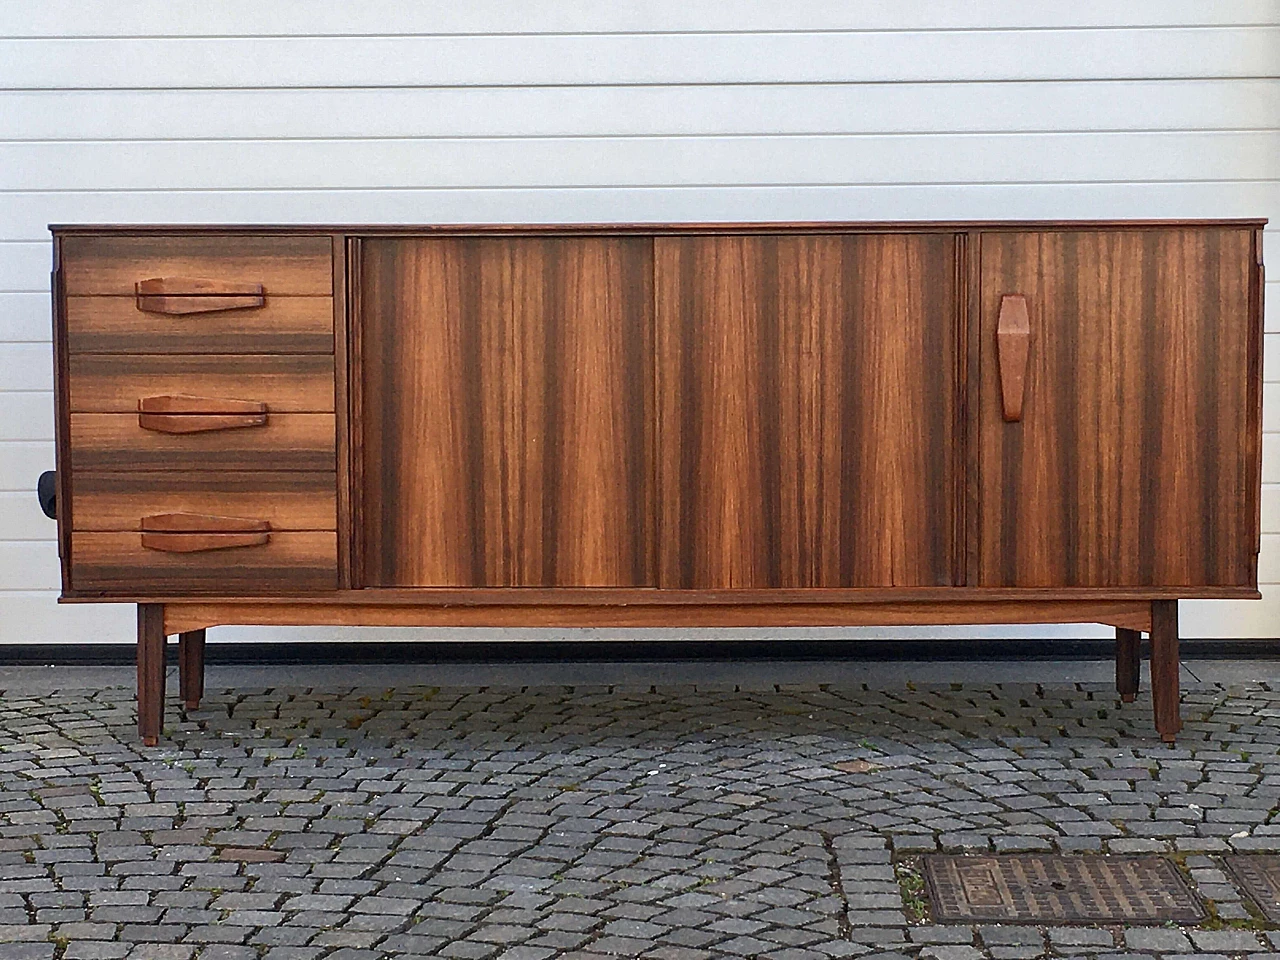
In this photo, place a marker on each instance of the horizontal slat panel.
(253, 18)
(26, 416)
(38, 618)
(26, 214)
(1269, 559)
(780, 109)
(1271, 508)
(301, 383)
(1271, 357)
(834, 57)
(289, 441)
(24, 267)
(288, 500)
(22, 462)
(289, 562)
(25, 317)
(1271, 460)
(21, 517)
(1234, 618)
(282, 325)
(29, 565)
(26, 366)
(1271, 306)
(601, 161)
(289, 265)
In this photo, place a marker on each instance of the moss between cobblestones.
(1255, 920)
(911, 883)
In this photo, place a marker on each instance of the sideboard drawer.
(287, 441)
(300, 383)
(288, 561)
(288, 500)
(121, 325)
(115, 265)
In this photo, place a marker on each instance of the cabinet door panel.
(1133, 461)
(507, 411)
(806, 410)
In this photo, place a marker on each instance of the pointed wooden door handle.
(184, 414)
(183, 295)
(1013, 349)
(195, 532)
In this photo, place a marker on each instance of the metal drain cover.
(1057, 889)
(1259, 876)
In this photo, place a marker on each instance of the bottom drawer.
(288, 562)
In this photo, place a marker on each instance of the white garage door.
(573, 110)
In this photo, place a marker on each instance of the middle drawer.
(288, 500)
(288, 383)
(288, 441)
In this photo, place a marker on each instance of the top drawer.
(284, 265)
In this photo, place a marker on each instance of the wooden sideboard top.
(759, 226)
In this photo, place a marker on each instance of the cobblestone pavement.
(603, 822)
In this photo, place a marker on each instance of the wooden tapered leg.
(191, 668)
(150, 672)
(1164, 668)
(1128, 663)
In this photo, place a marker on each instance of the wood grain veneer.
(806, 389)
(292, 383)
(288, 441)
(114, 265)
(644, 425)
(281, 325)
(507, 412)
(290, 561)
(1134, 458)
(289, 500)
(187, 615)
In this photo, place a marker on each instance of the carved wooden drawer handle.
(1013, 346)
(195, 532)
(181, 295)
(183, 414)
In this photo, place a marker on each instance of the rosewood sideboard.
(766, 425)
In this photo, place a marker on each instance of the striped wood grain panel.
(507, 406)
(288, 441)
(114, 383)
(289, 561)
(805, 389)
(282, 325)
(1135, 456)
(292, 265)
(288, 500)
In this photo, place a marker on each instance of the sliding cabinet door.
(806, 411)
(507, 411)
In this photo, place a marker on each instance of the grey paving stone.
(1157, 940)
(951, 951)
(677, 821)
(1080, 937)
(1226, 941)
(1011, 935)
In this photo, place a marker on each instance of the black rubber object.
(47, 491)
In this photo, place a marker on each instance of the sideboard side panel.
(806, 410)
(507, 411)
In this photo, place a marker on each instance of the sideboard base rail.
(185, 616)
(1159, 618)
